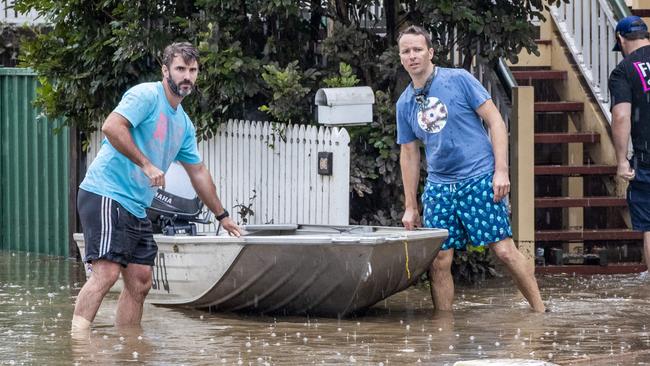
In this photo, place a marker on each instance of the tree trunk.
(75, 167)
(341, 7)
(314, 29)
(468, 57)
(391, 21)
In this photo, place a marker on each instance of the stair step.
(587, 234)
(539, 75)
(564, 137)
(543, 41)
(549, 107)
(643, 13)
(587, 270)
(529, 68)
(575, 170)
(546, 202)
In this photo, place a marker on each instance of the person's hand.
(625, 171)
(155, 175)
(231, 227)
(411, 219)
(500, 185)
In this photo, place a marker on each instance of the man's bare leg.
(104, 275)
(442, 283)
(646, 249)
(137, 282)
(523, 273)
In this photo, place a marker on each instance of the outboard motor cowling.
(177, 209)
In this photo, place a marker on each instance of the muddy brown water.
(597, 320)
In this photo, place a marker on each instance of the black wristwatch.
(223, 215)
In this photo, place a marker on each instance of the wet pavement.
(597, 320)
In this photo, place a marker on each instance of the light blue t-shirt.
(160, 132)
(456, 143)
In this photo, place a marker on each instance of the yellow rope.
(406, 250)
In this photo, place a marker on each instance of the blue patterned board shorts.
(467, 210)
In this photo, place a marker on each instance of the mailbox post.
(338, 107)
(345, 106)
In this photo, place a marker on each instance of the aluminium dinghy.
(290, 269)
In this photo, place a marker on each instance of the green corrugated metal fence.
(34, 171)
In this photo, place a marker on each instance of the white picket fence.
(251, 159)
(10, 16)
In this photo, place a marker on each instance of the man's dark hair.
(186, 50)
(636, 35)
(418, 31)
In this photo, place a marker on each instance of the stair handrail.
(620, 8)
(495, 77)
(591, 41)
(499, 83)
(504, 74)
(515, 103)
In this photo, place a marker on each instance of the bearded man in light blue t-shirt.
(467, 173)
(146, 132)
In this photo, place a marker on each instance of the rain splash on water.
(597, 320)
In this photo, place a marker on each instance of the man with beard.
(146, 132)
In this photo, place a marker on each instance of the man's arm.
(409, 161)
(207, 191)
(621, 126)
(117, 131)
(499, 136)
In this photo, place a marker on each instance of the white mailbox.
(345, 106)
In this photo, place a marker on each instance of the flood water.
(599, 320)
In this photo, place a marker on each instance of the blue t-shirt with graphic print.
(161, 133)
(456, 143)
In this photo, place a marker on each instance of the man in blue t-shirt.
(145, 133)
(467, 173)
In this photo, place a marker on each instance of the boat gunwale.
(301, 238)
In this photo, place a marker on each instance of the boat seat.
(270, 229)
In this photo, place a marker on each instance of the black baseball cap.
(627, 25)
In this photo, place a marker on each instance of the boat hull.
(318, 270)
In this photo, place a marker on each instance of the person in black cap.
(629, 86)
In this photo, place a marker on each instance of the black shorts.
(638, 198)
(113, 233)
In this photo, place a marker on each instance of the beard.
(176, 88)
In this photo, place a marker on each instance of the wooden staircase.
(640, 8)
(577, 209)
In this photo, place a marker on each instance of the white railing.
(249, 159)
(9, 16)
(587, 27)
(374, 19)
(487, 76)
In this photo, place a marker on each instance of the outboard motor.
(177, 209)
